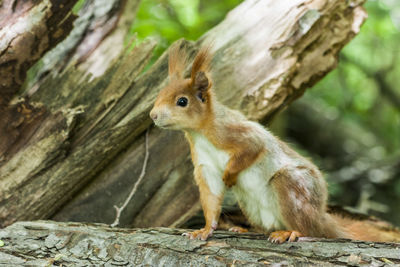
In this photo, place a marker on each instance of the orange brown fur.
(296, 185)
(243, 152)
(366, 228)
(281, 236)
(311, 219)
(177, 62)
(210, 203)
(202, 61)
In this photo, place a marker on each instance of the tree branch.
(135, 187)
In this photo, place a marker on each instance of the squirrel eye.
(182, 102)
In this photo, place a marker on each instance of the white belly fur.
(256, 198)
(212, 162)
(252, 189)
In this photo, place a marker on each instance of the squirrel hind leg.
(301, 200)
(233, 222)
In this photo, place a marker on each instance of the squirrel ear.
(201, 64)
(176, 61)
(200, 81)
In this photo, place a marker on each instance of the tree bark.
(88, 151)
(46, 243)
(27, 30)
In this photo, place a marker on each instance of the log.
(48, 243)
(88, 149)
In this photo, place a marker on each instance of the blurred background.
(348, 124)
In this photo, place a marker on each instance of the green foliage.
(354, 91)
(78, 6)
(169, 20)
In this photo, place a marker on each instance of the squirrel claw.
(280, 237)
(201, 234)
(229, 179)
(229, 184)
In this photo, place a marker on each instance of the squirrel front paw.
(203, 233)
(229, 179)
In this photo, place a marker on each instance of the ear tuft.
(201, 65)
(202, 60)
(200, 81)
(176, 61)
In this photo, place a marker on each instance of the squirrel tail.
(364, 227)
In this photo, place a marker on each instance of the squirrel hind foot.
(280, 237)
(238, 229)
(202, 234)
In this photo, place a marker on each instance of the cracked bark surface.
(47, 243)
(28, 29)
(86, 147)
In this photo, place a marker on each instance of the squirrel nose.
(153, 115)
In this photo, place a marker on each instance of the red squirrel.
(279, 191)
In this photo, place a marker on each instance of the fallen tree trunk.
(89, 146)
(46, 243)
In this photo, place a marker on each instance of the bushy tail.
(364, 227)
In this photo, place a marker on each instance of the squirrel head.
(185, 103)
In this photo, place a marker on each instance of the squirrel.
(279, 191)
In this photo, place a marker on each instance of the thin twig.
(135, 187)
